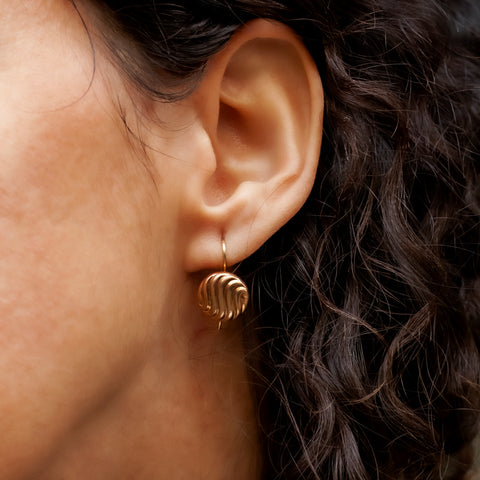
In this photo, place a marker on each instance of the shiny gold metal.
(222, 295)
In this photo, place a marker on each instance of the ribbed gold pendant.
(223, 296)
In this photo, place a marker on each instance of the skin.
(107, 367)
(97, 375)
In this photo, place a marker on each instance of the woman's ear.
(260, 105)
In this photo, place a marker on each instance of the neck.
(186, 412)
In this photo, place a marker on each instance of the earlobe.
(261, 105)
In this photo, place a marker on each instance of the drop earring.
(222, 295)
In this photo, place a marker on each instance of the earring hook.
(224, 253)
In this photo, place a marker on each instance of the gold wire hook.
(224, 252)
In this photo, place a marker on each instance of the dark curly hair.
(364, 337)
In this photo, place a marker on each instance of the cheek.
(76, 269)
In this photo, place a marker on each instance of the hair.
(364, 334)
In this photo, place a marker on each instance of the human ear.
(260, 104)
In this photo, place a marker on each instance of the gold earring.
(222, 295)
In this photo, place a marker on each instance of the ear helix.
(222, 295)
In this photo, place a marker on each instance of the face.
(87, 239)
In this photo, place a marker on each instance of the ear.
(260, 104)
